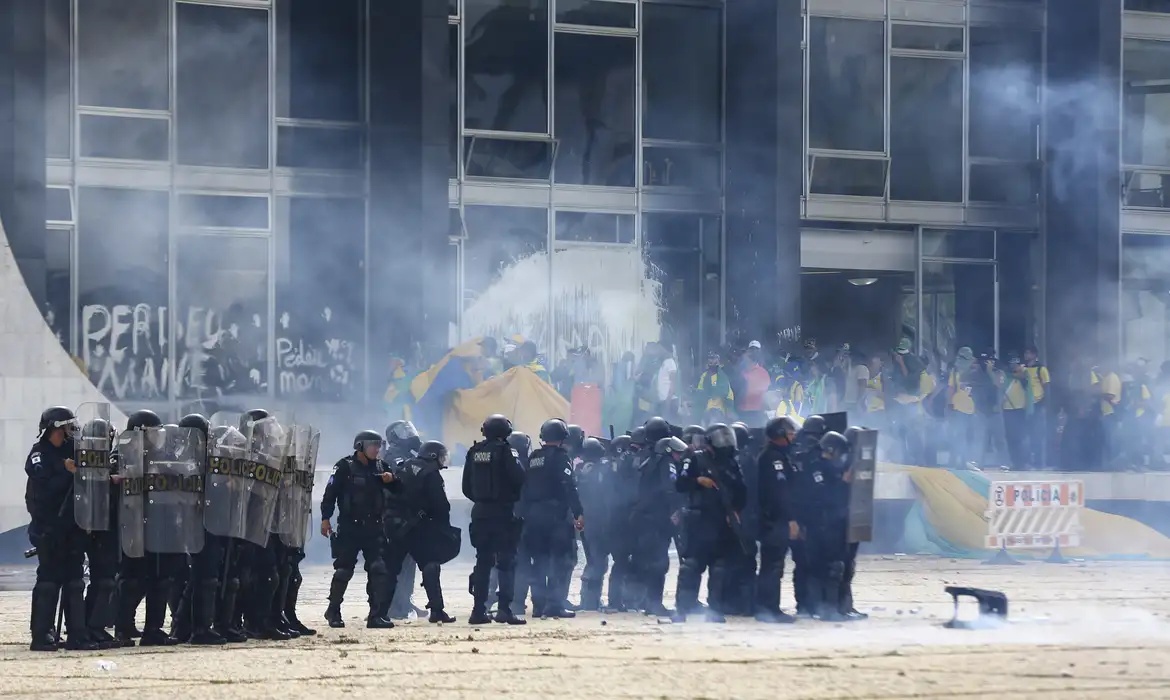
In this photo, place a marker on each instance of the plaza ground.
(1080, 630)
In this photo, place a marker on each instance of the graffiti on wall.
(314, 358)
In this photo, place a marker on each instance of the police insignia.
(818, 477)
(36, 458)
(778, 465)
(515, 454)
(568, 471)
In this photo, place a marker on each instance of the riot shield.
(131, 506)
(864, 473)
(91, 481)
(295, 511)
(176, 460)
(263, 471)
(225, 493)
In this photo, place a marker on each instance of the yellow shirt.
(961, 401)
(1145, 397)
(925, 386)
(1015, 398)
(1038, 376)
(1109, 384)
(874, 400)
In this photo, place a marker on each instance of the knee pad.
(294, 577)
(378, 568)
(837, 570)
(344, 574)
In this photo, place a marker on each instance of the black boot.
(431, 584)
(479, 615)
(129, 595)
(590, 595)
(290, 608)
(44, 608)
(505, 616)
(182, 619)
(225, 613)
(337, 588)
(279, 621)
(718, 579)
(157, 601)
(99, 613)
(74, 608)
(263, 600)
(375, 621)
(655, 586)
(201, 595)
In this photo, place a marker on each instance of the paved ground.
(1091, 630)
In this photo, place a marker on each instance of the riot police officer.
(492, 481)
(95, 500)
(356, 490)
(48, 497)
(846, 607)
(803, 453)
(402, 443)
(574, 441)
(655, 429)
(418, 524)
(650, 523)
(622, 594)
(777, 522)
(826, 527)
(596, 477)
(740, 584)
(548, 500)
(523, 446)
(716, 495)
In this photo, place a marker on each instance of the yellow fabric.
(1145, 398)
(518, 394)
(874, 400)
(957, 513)
(420, 384)
(1039, 378)
(796, 395)
(925, 386)
(1014, 397)
(961, 401)
(1109, 384)
(716, 403)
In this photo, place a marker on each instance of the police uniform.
(492, 481)
(623, 595)
(402, 443)
(651, 530)
(826, 529)
(549, 498)
(802, 457)
(775, 515)
(596, 482)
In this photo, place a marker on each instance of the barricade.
(1034, 515)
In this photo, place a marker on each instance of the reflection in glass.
(453, 96)
(223, 211)
(318, 147)
(926, 129)
(1005, 93)
(846, 84)
(1146, 106)
(973, 244)
(594, 92)
(133, 138)
(122, 288)
(322, 54)
(692, 168)
(506, 55)
(320, 300)
(1147, 189)
(958, 308)
(1148, 5)
(222, 333)
(512, 159)
(1005, 183)
(599, 13)
(59, 283)
(504, 270)
(592, 227)
(859, 177)
(58, 204)
(58, 80)
(223, 112)
(682, 61)
(926, 37)
(123, 53)
(1145, 280)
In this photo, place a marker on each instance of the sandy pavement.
(1082, 630)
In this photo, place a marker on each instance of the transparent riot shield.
(176, 460)
(863, 471)
(263, 470)
(131, 474)
(91, 481)
(225, 492)
(296, 508)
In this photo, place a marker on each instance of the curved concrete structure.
(35, 372)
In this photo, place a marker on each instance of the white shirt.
(859, 373)
(668, 368)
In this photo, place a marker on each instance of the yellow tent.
(518, 394)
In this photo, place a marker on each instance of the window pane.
(1148, 190)
(58, 100)
(682, 59)
(123, 53)
(453, 96)
(223, 211)
(505, 273)
(598, 13)
(851, 176)
(1005, 93)
(316, 147)
(926, 37)
(586, 227)
(1146, 88)
(975, 244)
(320, 301)
(1005, 183)
(223, 86)
(59, 283)
(453, 8)
(1148, 5)
(507, 65)
(222, 333)
(132, 138)
(58, 205)
(322, 56)
(122, 284)
(846, 84)
(926, 129)
(595, 109)
(505, 158)
(693, 168)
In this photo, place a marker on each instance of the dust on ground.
(1079, 630)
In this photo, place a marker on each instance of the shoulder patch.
(778, 465)
(515, 454)
(35, 458)
(333, 472)
(568, 471)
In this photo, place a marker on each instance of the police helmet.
(554, 430)
(721, 437)
(692, 434)
(576, 437)
(592, 449)
(194, 420)
(780, 427)
(637, 437)
(251, 417)
(433, 451)
(814, 425)
(835, 449)
(742, 436)
(57, 417)
(669, 444)
(620, 445)
(521, 443)
(496, 427)
(400, 432)
(143, 419)
(98, 428)
(851, 434)
(365, 439)
(656, 429)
